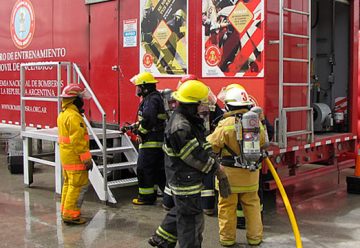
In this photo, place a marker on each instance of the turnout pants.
(207, 194)
(75, 185)
(184, 222)
(150, 171)
(240, 212)
(227, 217)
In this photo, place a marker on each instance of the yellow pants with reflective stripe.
(250, 203)
(75, 185)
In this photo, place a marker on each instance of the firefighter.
(244, 182)
(175, 25)
(270, 131)
(74, 153)
(150, 132)
(208, 192)
(187, 162)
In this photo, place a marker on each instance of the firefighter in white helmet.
(228, 141)
(187, 162)
(74, 153)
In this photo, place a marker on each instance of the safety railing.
(77, 77)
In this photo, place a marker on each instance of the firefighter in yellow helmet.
(74, 153)
(187, 162)
(150, 131)
(228, 141)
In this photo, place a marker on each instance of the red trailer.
(297, 59)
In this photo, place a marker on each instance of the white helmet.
(237, 97)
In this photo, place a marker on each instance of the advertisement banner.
(164, 37)
(233, 38)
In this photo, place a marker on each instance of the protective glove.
(224, 185)
(88, 164)
(138, 139)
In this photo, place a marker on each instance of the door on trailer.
(104, 59)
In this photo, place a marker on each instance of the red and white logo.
(22, 23)
(212, 56)
(148, 60)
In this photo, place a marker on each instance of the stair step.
(112, 150)
(123, 182)
(119, 166)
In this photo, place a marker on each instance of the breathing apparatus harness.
(248, 136)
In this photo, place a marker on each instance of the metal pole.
(281, 73)
(22, 94)
(68, 68)
(59, 86)
(310, 115)
(104, 157)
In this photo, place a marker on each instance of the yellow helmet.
(143, 78)
(180, 13)
(192, 91)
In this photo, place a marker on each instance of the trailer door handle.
(115, 67)
(274, 42)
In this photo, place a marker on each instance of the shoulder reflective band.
(188, 148)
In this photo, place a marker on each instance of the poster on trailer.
(164, 37)
(233, 38)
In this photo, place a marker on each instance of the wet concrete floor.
(29, 217)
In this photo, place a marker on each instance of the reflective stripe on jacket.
(187, 159)
(73, 138)
(151, 117)
(241, 180)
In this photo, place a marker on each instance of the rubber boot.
(157, 241)
(79, 221)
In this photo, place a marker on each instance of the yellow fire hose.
(286, 203)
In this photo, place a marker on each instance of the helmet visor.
(86, 95)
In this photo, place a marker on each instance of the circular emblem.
(212, 56)
(22, 23)
(148, 60)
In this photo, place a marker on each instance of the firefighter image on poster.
(164, 42)
(233, 38)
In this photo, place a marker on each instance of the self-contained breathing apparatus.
(248, 136)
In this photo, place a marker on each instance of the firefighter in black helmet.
(150, 131)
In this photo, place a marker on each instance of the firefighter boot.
(139, 201)
(79, 221)
(157, 241)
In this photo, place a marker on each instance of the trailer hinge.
(89, 66)
(89, 18)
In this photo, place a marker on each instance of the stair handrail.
(80, 77)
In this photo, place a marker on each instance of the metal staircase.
(101, 171)
(283, 133)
